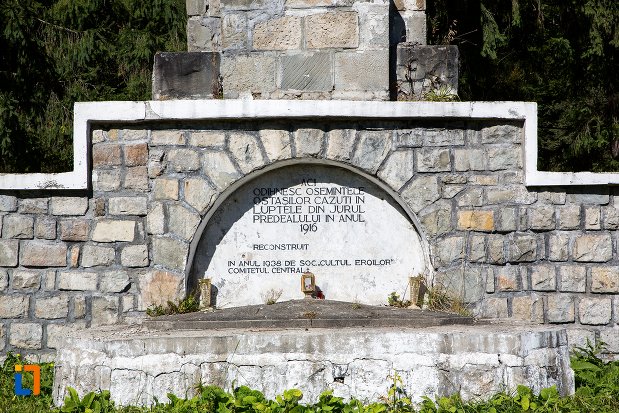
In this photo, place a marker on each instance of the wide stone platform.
(311, 349)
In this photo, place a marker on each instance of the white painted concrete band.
(87, 113)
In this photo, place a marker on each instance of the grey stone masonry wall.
(528, 254)
(316, 49)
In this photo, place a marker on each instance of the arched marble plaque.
(345, 229)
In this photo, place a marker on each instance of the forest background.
(562, 54)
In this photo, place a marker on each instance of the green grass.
(597, 390)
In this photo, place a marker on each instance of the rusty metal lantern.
(308, 284)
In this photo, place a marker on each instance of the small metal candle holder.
(308, 284)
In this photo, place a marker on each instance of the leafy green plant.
(394, 300)
(90, 403)
(190, 304)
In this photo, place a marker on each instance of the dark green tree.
(57, 52)
(562, 54)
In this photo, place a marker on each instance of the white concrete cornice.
(87, 113)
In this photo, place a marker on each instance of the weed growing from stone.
(188, 305)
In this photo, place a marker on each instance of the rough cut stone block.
(157, 287)
(449, 250)
(362, 71)
(57, 333)
(477, 249)
(196, 7)
(340, 143)
(501, 134)
(45, 228)
(248, 73)
(599, 196)
(595, 311)
(182, 221)
(523, 248)
(128, 206)
(542, 218)
(507, 278)
(155, 220)
(134, 256)
(8, 203)
(308, 142)
(496, 250)
(4, 280)
(569, 217)
(136, 154)
(33, 206)
(219, 167)
(593, 248)
(592, 218)
(560, 309)
(276, 143)
(573, 278)
(77, 281)
(136, 178)
(421, 192)
(415, 24)
(52, 307)
(167, 137)
(8, 253)
(372, 149)
(198, 193)
(170, 253)
(337, 29)
(510, 194)
(307, 72)
(398, 168)
(74, 230)
(605, 279)
(234, 31)
(246, 151)
(528, 308)
(373, 25)
(106, 154)
(578, 337)
(104, 310)
(207, 139)
(543, 278)
(436, 219)
(43, 254)
(302, 4)
(610, 217)
(494, 308)
(507, 219)
(204, 34)
(433, 160)
(26, 280)
(165, 188)
(469, 160)
(94, 255)
(187, 75)
(470, 197)
(183, 160)
(18, 226)
(558, 247)
(476, 220)
(114, 281)
(105, 181)
(14, 306)
(283, 33)
(26, 335)
(113, 230)
(504, 157)
(69, 206)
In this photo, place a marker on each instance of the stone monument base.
(140, 363)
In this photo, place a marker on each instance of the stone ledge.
(475, 360)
